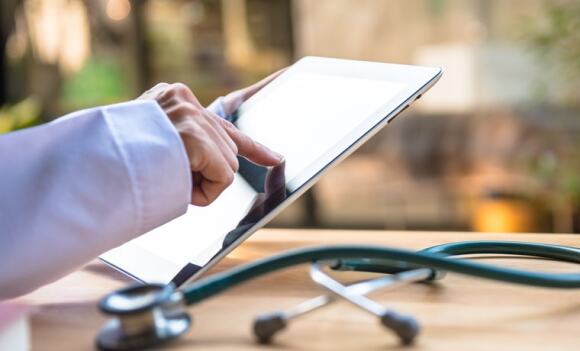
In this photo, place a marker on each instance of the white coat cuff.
(156, 161)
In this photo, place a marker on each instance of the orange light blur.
(118, 10)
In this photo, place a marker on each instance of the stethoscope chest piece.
(143, 316)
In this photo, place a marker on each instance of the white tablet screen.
(317, 111)
(305, 119)
(310, 114)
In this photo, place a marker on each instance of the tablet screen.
(312, 114)
(305, 119)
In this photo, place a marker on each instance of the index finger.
(251, 149)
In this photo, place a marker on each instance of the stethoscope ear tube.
(511, 248)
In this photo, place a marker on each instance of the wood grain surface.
(460, 313)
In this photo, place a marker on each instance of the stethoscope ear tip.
(406, 327)
(267, 325)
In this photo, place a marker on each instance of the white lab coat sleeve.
(83, 184)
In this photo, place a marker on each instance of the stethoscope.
(149, 315)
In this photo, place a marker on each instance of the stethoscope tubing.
(510, 248)
(436, 258)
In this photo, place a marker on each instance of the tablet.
(315, 114)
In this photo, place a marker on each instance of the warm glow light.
(59, 32)
(43, 18)
(118, 10)
(75, 45)
(504, 216)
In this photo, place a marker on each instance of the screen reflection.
(269, 185)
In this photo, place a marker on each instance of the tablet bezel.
(146, 266)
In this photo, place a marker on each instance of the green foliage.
(21, 115)
(437, 7)
(556, 37)
(558, 172)
(559, 36)
(98, 83)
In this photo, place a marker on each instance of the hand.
(211, 142)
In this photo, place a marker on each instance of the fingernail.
(281, 157)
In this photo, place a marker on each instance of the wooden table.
(462, 313)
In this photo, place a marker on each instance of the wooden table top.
(460, 313)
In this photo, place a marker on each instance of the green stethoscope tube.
(546, 251)
(385, 259)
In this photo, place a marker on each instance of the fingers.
(171, 94)
(213, 120)
(228, 142)
(185, 110)
(212, 144)
(181, 90)
(212, 161)
(227, 147)
(154, 91)
(250, 149)
(206, 191)
(211, 173)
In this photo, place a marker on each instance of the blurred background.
(495, 146)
